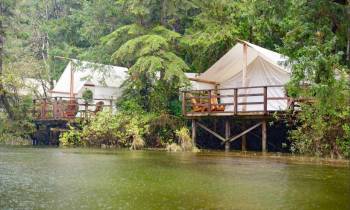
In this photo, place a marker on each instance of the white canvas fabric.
(198, 85)
(106, 80)
(264, 68)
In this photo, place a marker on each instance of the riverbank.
(287, 158)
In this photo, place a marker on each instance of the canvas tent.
(103, 80)
(247, 65)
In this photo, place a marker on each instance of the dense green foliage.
(159, 40)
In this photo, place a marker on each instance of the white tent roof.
(231, 64)
(264, 68)
(90, 73)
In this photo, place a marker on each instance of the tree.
(5, 14)
(315, 44)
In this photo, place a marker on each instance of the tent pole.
(244, 73)
(71, 92)
(245, 63)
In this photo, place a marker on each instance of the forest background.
(173, 37)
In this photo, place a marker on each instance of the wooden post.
(245, 64)
(265, 100)
(184, 103)
(55, 108)
(244, 140)
(235, 101)
(60, 108)
(86, 111)
(227, 135)
(194, 128)
(244, 73)
(209, 101)
(264, 136)
(71, 89)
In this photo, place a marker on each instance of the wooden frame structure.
(240, 101)
(67, 108)
(204, 98)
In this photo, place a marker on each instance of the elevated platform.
(51, 116)
(258, 103)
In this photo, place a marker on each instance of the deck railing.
(240, 100)
(66, 108)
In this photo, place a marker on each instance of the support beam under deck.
(194, 128)
(244, 139)
(227, 135)
(264, 136)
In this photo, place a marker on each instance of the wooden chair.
(197, 106)
(71, 108)
(215, 104)
(99, 107)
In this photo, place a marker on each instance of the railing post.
(55, 108)
(209, 102)
(184, 103)
(86, 110)
(235, 101)
(265, 100)
(43, 109)
(60, 108)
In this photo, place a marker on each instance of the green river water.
(52, 178)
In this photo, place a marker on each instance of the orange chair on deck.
(197, 106)
(215, 104)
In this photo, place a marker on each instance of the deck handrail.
(56, 108)
(208, 106)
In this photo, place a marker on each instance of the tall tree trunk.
(163, 13)
(3, 97)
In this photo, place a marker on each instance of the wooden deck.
(68, 109)
(258, 103)
(52, 116)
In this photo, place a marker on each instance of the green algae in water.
(49, 178)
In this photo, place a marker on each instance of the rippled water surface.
(51, 178)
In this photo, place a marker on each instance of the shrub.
(184, 139)
(120, 129)
(72, 137)
(323, 126)
(88, 95)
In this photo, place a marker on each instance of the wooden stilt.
(227, 135)
(244, 140)
(264, 136)
(194, 128)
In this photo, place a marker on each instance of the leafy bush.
(87, 95)
(323, 126)
(162, 129)
(120, 129)
(19, 129)
(184, 139)
(72, 137)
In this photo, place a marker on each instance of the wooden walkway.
(66, 108)
(51, 116)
